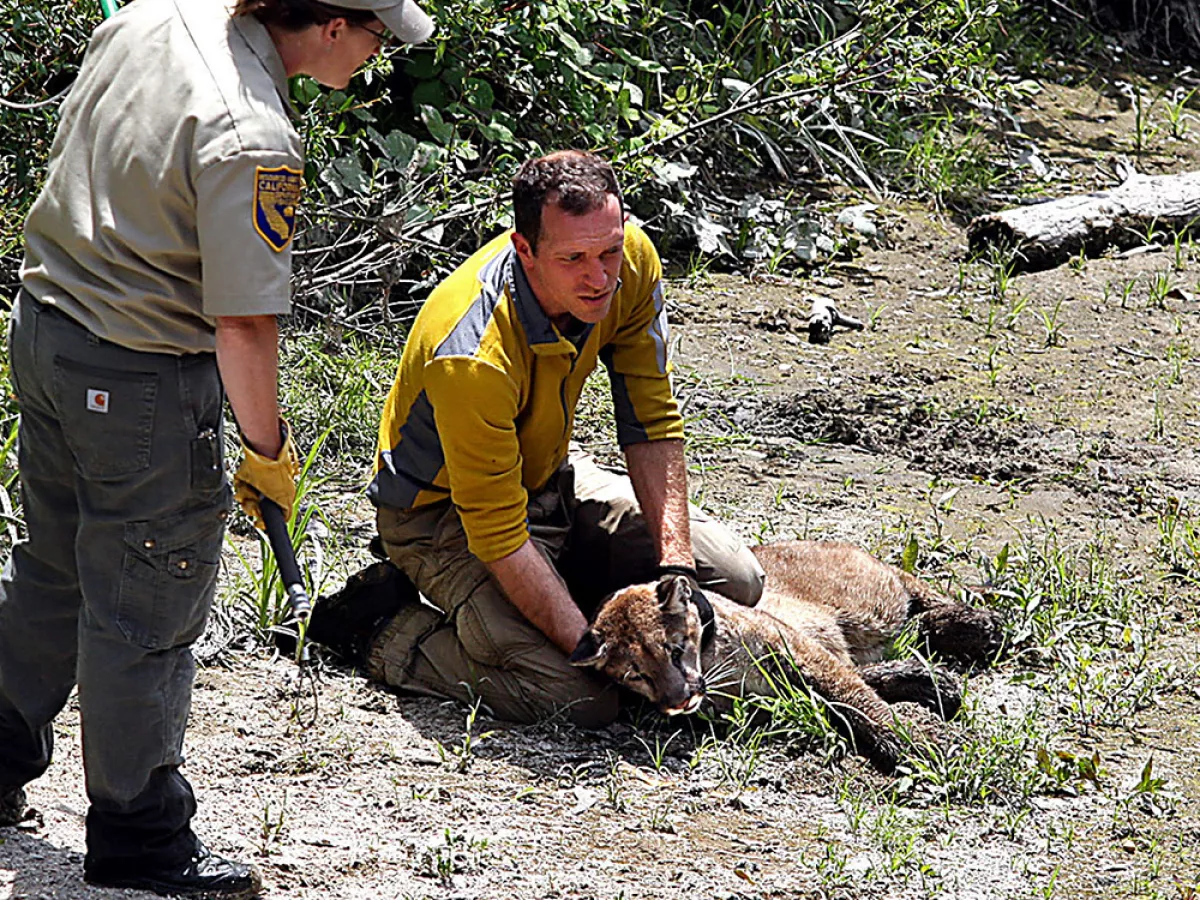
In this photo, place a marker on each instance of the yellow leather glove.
(260, 476)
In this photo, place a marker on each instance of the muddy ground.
(968, 415)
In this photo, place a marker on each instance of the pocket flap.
(173, 533)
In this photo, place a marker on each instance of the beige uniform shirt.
(173, 179)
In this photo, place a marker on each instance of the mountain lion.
(827, 615)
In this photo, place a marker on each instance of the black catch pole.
(289, 569)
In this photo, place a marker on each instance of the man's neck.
(565, 323)
(569, 327)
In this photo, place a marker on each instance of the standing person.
(481, 501)
(157, 258)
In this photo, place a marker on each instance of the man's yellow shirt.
(483, 405)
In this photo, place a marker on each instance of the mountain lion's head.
(647, 638)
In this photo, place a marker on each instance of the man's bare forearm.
(534, 588)
(248, 358)
(659, 475)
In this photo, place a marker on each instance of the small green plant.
(1144, 130)
(993, 316)
(1018, 307)
(1054, 333)
(333, 384)
(948, 161)
(739, 751)
(989, 766)
(875, 316)
(1093, 619)
(1148, 797)
(1067, 771)
(660, 819)
(1127, 292)
(1003, 266)
(1178, 353)
(829, 864)
(896, 834)
(1181, 242)
(1160, 286)
(658, 753)
(1011, 822)
(787, 713)
(908, 558)
(962, 276)
(614, 784)
(422, 792)
(1179, 541)
(271, 826)
(1176, 105)
(1046, 891)
(8, 458)
(462, 755)
(993, 364)
(1078, 262)
(456, 854)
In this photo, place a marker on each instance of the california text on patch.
(276, 193)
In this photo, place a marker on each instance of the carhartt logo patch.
(97, 401)
(276, 193)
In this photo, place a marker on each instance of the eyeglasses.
(384, 36)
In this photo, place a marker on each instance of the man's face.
(578, 261)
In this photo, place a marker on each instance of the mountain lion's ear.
(674, 592)
(590, 651)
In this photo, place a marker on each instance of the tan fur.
(830, 609)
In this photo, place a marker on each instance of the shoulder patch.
(276, 193)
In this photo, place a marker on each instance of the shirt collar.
(258, 39)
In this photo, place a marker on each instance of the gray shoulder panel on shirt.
(465, 338)
(413, 464)
(630, 429)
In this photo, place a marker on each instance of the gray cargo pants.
(125, 500)
(477, 645)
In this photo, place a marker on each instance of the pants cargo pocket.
(168, 577)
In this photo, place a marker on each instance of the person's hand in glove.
(260, 476)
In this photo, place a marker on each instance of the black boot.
(205, 876)
(347, 621)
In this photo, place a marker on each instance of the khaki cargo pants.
(470, 644)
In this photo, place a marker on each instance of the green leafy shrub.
(41, 45)
(701, 104)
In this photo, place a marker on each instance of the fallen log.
(1047, 234)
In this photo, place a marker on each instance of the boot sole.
(168, 889)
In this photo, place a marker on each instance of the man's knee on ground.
(740, 578)
(583, 696)
(530, 697)
(597, 711)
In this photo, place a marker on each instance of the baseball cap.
(403, 18)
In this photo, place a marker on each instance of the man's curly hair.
(574, 181)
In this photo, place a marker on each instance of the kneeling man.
(482, 501)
